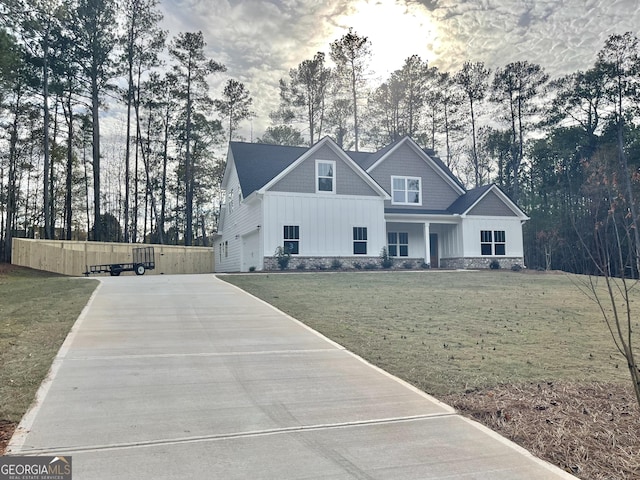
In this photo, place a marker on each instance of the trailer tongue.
(143, 260)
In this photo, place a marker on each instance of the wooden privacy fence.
(71, 258)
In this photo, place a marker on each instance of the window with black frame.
(398, 244)
(292, 239)
(359, 240)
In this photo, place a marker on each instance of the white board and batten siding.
(326, 222)
(239, 244)
(473, 225)
(492, 213)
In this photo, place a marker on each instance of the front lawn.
(447, 332)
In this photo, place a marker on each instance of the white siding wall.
(239, 223)
(326, 222)
(417, 242)
(449, 240)
(471, 234)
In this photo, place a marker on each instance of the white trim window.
(398, 244)
(406, 190)
(325, 176)
(359, 240)
(493, 242)
(291, 242)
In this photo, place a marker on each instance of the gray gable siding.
(491, 205)
(437, 194)
(302, 179)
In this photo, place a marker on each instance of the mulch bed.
(589, 430)
(6, 430)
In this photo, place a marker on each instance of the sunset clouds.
(259, 41)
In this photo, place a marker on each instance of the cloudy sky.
(259, 41)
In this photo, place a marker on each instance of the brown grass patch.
(37, 310)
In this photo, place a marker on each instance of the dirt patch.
(589, 430)
(6, 430)
(6, 268)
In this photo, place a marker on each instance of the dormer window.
(325, 176)
(406, 190)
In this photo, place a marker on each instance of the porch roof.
(416, 211)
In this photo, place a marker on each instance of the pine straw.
(6, 430)
(590, 430)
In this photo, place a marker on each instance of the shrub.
(301, 266)
(252, 269)
(370, 266)
(282, 257)
(425, 265)
(336, 264)
(494, 265)
(357, 265)
(320, 266)
(516, 267)
(385, 260)
(407, 264)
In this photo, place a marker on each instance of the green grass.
(37, 310)
(447, 332)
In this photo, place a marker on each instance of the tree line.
(67, 67)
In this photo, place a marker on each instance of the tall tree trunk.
(95, 119)
(127, 155)
(45, 131)
(165, 160)
(69, 173)
(476, 164)
(11, 185)
(355, 105)
(188, 174)
(52, 175)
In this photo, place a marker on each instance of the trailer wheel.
(140, 269)
(114, 273)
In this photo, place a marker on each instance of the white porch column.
(427, 243)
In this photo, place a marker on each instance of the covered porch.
(418, 237)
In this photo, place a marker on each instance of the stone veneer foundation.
(399, 263)
(327, 263)
(480, 262)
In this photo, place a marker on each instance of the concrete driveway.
(168, 377)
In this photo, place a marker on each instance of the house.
(321, 203)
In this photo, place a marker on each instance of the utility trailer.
(143, 260)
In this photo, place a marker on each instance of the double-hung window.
(492, 242)
(292, 239)
(499, 243)
(406, 190)
(398, 244)
(325, 176)
(359, 240)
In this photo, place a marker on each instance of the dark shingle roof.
(416, 211)
(367, 159)
(463, 203)
(259, 163)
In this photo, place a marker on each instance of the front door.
(433, 242)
